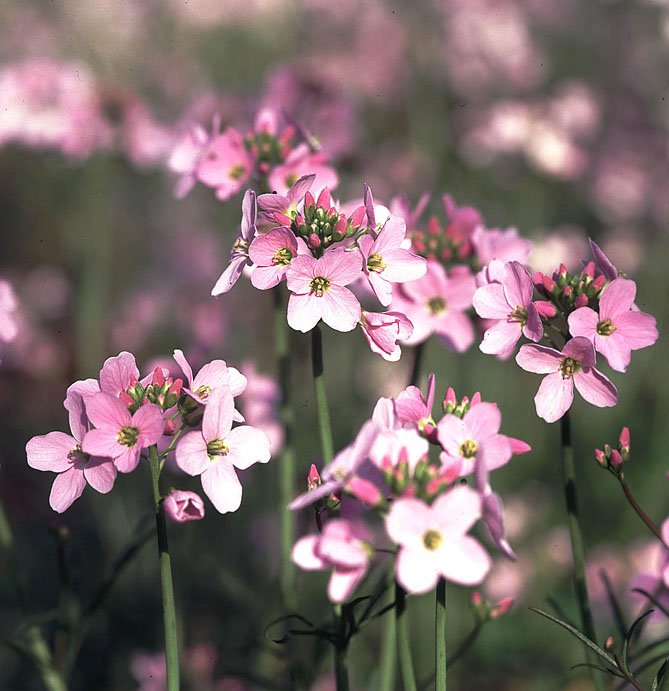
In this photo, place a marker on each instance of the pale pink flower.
(118, 373)
(260, 403)
(392, 447)
(344, 546)
(317, 287)
(225, 164)
(510, 303)
(385, 261)
(269, 205)
(411, 406)
(182, 506)
(61, 453)
(271, 255)
(618, 329)
(436, 303)
(433, 540)
(118, 434)
(383, 330)
(504, 245)
(239, 255)
(300, 162)
(216, 450)
(473, 439)
(8, 304)
(574, 366)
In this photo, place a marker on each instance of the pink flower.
(301, 162)
(118, 434)
(239, 255)
(214, 375)
(344, 546)
(474, 438)
(574, 366)
(436, 304)
(383, 330)
(62, 454)
(225, 164)
(411, 406)
(285, 205)
(509, 302)
(499, 244)
(186, 156)
(271, 254)
(217, 450)
(318, 292)
(118, 374)
(385, 262)
(182, 506)
(8, 304)
(618, 329)
(433, 540)
(393, 447)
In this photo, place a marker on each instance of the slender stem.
(324, 426)
(403, 647)
(287, 463)
(641, 513)
(387, 664)
(341, 672)
(39, 651)
(577, 544)
(417, 362)
(440, 636)
(169, 610)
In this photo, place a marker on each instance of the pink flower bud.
(549, 284)
(450, 397)
(599, 282)
(176, 387)
(182, 506)
(158, 377)
(502, 607)
(567, 291)
(314, 478)
(168, 427)
(324, 198)
(538, 280)
(616, 458)
(625, 439)
(601, 458)
(357, 216)
(546, 309)
(364, 490)
(476, 598)
(309, 200)
(313, 241)
(126, 398)
(589, 270)
(610, 644)
(476, 399)
(518, 446)
(581, 300)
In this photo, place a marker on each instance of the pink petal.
(217, 420)
(407, 520)
(102, 441)
(214, 375)
(463, 561)
(534, 329)
(496, 451)
(617, 297)
(74, 403)
(191, 453)
(554, 397)
(456, 511)
(304, 311)
(452, 432)
(596, 388)
(416, 570)
(403, 266)
(581, 349)
(490, 302)
(305, 556)
(539, 359)
(455, 331)
(66, 488)
(266, 277)
(340, 266)
(148, 419)
(583, 322)
(390, 236)
(104, 409)
(615, 349)
(638, 329)
(264, 247)
(517, 285)
(51, 451)
(117, 373)
(483, 420)
(221, 484)
(501, 337)
(128, 459)
(231, 275)
(381, 288)
(247, 445)
(343, 583)
(100, 474)
(183, 364)
(340, 308)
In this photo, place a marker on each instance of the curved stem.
(577, 544)
(440, 636)
(327, 447)
(641, 513)
(286, 466)
(403, 646)
(169, 610)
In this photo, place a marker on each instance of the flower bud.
(450, 401)
(182, 506)
(314, 478)
(624, 441)
(546, 309)
(313, 241)
(601, 459)
(581, 300)
(616, 459)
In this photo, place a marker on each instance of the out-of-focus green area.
(550, 117)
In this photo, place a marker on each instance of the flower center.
(241, 246)
(569, 367)
(375, 263)
(203, 391)
(436, 305)
(216, 447)
(76, 455)
(127, 435)
(605, 327)
(468, 448)
(236, 172)
(282, 256)
(290, 179)
(432, 539)
(319, 286)
(366, 547)
(518, 315)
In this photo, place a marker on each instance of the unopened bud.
(450, 401)
(502, 607)
(601, 459)
(581, 300)
(546, 309)
(314, 478)
(313, 241)
(610, 645)
(624, 440)
(616, 458)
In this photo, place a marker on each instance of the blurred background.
(548, 117)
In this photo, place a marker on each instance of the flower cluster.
(114, 418)
(268, 155)
(427, 509)
(579, 316)
(319, 250)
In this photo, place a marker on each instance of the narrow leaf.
(601, 669)
(660, 677)
(628, 637)
(653, 599)
(615, 605)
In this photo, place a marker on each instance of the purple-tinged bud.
(589, 270)
(538, 280)
(567, 291)
(624, 440)
(581, 300)
(183, 506)
(549, 284)
(599, 282)
(313, 241)
(546, 309)
(616, 458)
(309, 200)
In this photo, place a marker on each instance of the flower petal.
(221, 484)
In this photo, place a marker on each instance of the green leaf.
(574, 631)
(612, 672)
(653, 599)
(628, 638)
(660, 677)
(615, 605)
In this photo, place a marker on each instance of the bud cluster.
(614, 460)
(567, 293)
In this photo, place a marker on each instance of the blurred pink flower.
(182, 506)
(225, 164)
(384, 330)
(8, 305)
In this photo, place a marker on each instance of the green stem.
(577, 544)
(440, 636)
(169, 610)
(403, 647)
(286, 466)
(417, 362)
(324, 426)
(387, 664)
(39, 651)
(341, 672)
(640, 512)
